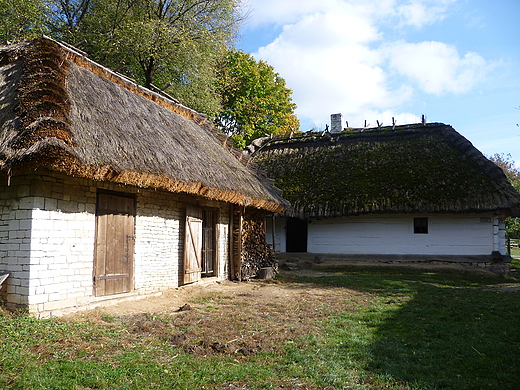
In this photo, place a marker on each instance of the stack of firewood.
(256, 253)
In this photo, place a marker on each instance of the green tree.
(255, 100)
(21, 19)
(513, 174)
(173, 44)
(508, 166)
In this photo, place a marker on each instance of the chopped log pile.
(256, 253)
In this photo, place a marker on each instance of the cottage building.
(109, 190)
(413, 192)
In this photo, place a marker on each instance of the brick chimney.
(335, 123)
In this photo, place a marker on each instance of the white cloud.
(409, 12)
(327, 61)
(437, 67)
(334, 56)
(336, 29)
(282, 11)
(422, 12)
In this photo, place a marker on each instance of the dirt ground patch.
(235, 319)
(228, 318)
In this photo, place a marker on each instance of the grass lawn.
(365, 328)
(515, 252)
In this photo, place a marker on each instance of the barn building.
(109, 190)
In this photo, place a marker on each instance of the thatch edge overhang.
(56, 156)
(321, 139)
(46, 141)
(148, 180)
(43, 105)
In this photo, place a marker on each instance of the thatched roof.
(61, 111)
(407, 169)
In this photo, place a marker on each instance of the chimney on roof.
(335, 123)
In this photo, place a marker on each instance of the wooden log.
(256, 253)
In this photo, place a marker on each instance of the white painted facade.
(393, 234)
(47, 235)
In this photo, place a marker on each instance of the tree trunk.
(149, 71)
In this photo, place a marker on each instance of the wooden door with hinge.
(114, 248)
(193, 245)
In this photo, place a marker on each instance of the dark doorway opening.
(296, 235)
(201, 244)
(208, 242)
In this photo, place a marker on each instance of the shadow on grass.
(427, 330)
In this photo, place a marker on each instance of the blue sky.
(455, 61)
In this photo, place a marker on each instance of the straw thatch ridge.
(43, 106)
(64, 112)
(405, 169)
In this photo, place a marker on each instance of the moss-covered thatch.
(61, 111)
(407, 169)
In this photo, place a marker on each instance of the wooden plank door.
(114, 251)
(193, 245)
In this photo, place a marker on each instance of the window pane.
(420, 225)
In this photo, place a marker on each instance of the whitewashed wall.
(459, 234)
(15, 227)
(47, 234)
(49, 246)
(223, 242)
(158, 241)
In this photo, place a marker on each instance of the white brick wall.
(158, 243)
(47, 234)
(49, 247)
(223, 250)
(15, 241)
(62, 253)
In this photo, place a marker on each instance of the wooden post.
(235, 243)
